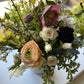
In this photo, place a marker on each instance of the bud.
(67, 46)
(48, 48)
(28, 18)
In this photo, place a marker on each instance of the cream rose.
(31, 55)
(48, 33)
(52, 61)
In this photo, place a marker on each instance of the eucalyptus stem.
(30, 3)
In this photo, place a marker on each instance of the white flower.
(52, 61)
(68, 21)
(67, 46)
(48, 33)
(48, 48)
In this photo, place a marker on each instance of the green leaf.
(17, 61)
(45, 82)
(50, 2)
(3, 58)
(7, 15)
(7, 8)
(68, 11)
(52, 82)
(78, 14)
(12, 67)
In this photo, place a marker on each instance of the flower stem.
(21, 19)
(18, 13)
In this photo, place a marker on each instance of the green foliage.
(17, 61)
(79, 21)
(67, 60)
(50, 2)
(7, 15)
(3, 58)
(4, 51)
(76, 9)
(78, 14)
(49, 71)
(82, 0)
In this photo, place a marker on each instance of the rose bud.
(48, 48)
(49, 16)
(31, 55)
(28, 18)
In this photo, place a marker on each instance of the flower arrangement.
(46, 35)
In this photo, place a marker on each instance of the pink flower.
(49, 16)
(28, 18)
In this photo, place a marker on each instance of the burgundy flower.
(28, 18)
(66, 34)
(49, 16)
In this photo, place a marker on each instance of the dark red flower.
(66, 34)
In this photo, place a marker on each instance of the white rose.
(52, 61)
(48, 33)
(67, 46)
(48, 48)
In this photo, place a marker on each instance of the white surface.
(29, 77)
(2, 9)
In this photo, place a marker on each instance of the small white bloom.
(48, 33)
(48, 48)
(52, 61)
(67, 46)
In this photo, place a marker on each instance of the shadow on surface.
(79, 79)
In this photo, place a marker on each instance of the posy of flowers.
(44, 35)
